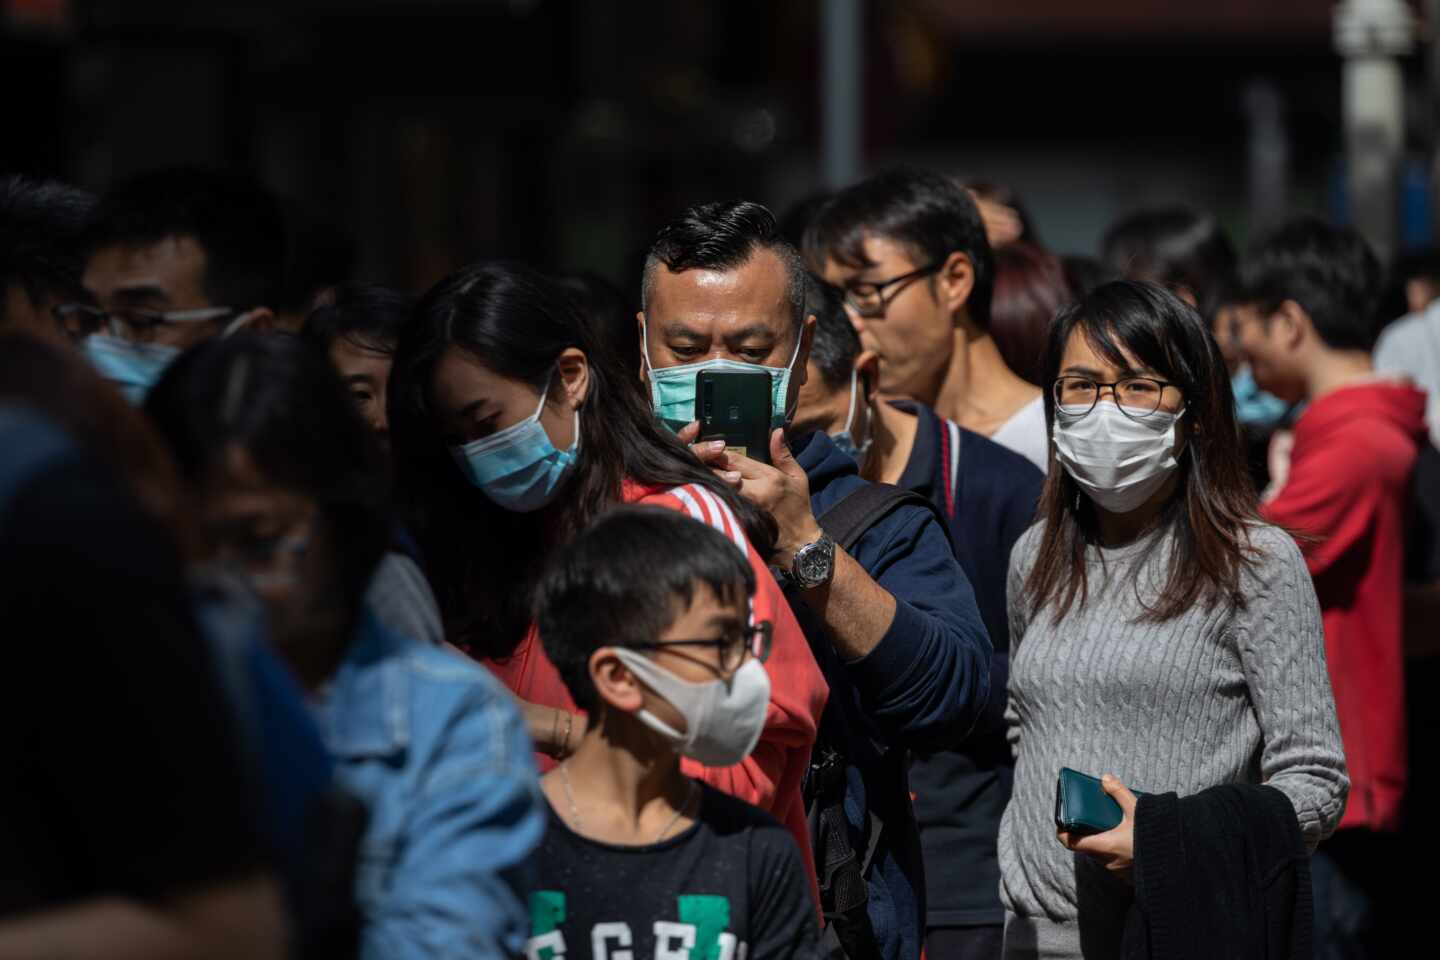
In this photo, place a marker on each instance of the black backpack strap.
(853, 516)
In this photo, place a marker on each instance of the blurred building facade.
(409, 137)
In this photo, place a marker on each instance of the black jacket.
(1223, 873)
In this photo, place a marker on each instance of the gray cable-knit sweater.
(1211, 697)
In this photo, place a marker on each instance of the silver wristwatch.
(814, 563)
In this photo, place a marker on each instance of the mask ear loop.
(850, 416)
(790, 372)
(239, 323)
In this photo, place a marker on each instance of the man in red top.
(1307, 327)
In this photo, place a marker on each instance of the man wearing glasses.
(909, 249)
(175, 257)
(891, 619)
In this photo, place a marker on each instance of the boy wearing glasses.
(908, 248)
(646, 616)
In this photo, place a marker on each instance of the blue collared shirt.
(438, 751)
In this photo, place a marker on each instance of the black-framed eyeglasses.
(753, 641)
(869, 299)
(79, 320)
(1137, 397)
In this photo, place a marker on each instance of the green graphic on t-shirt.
(709, 915)
(547, 912)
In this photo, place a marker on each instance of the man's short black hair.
(930, 215)
(723, 236)
(234, 219)
(368, 315)
(41, 223)
(624, 581)
(1329, 271)
(1176, 247)
(835, 345)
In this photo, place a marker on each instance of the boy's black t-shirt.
(731, 887)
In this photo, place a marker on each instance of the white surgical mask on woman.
(1117, 460)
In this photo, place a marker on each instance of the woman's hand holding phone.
(1113, 848)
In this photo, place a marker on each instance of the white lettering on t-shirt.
(615, 930)
(728, 942)
(673, 941)
(555, 940)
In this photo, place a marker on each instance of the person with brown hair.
(1030, 288)
(1160, 630)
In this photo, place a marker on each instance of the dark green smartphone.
(735, 407)
(1082, 806)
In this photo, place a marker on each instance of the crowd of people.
(1079, 607)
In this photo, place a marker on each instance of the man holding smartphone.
(893, 623)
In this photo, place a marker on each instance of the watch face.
(814, 562)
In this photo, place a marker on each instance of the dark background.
(408, 138)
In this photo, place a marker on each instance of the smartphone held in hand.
(735, 407)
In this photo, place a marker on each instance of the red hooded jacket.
(1345, 496)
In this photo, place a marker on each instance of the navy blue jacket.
(989, 494)
(923, 685)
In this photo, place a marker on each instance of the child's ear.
(617, 686)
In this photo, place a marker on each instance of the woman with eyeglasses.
(1161, 633)
(512, 429)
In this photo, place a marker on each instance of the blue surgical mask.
(518, 468)
(672, 389)
(844, 441)
(133, 367)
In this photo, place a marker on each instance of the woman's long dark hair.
(1215, 502)
(483, 560)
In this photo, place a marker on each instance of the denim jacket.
(439, 753)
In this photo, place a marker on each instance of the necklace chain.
(575, 812)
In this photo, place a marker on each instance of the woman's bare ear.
(574, 369)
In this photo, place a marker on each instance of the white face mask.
(1117, 461)
(723, 719)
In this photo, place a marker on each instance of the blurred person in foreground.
(126, 827)
(41, 222)
(305, 823)
(289, 490)
(1307, 326)
(514, 429)
(646, 615)
(723, 291)
(987, 494)
(174, 257)
(1164, 639)
(909, 249)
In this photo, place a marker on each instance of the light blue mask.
(843, 440)
(133, 367)
(672, 389)
(518, 468)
